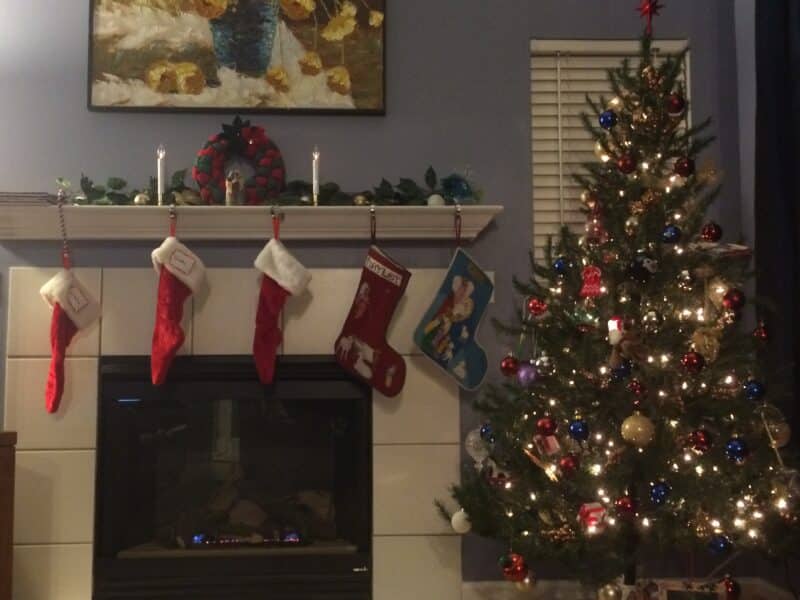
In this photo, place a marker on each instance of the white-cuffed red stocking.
(282, 275)
(74, 309)
(181, 273)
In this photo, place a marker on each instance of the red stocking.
(73, 309)
(283, 276)
(180, 275)
(361, 347)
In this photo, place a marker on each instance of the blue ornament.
(608, 119)
(736, 449)
(579, 430)
(719, 544)
(622, 372)
(291, 536)
(456, 187)
(560, 265)
(754, 390)
(659, 492)
(198, 538)
(671, 234)
(487, 435)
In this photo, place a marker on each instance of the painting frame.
(253, 110)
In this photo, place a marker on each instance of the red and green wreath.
(246, 141)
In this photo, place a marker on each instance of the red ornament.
(693, 362)
(733, 591)
(592, 282)
(569, 464)
(514, 567)
(647, 10)
(760, 332)
(626, 164)
(592, 516)
(546, 426)
(711, 232)
(536, 306)
(676, 104)
(684, 166)
(733, 299)
(699, 440)
(509, 366)
(626, 507)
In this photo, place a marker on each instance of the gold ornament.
(717, 288)
(638, 430)
(141, 199)
(610, 591)
(631, 225)
(601, 153)
(706, 341)
(651, 77)
(360, 200)
(559, 535)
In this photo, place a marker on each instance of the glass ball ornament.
(711, 232)
(623, 371)
(514, 567)
(487, 433)
(607, 119)
(659, 492)
(590, 200)
(637, 388)
(719, 544)
(568, 464)
(671, 235)
(693, 362)
(625, 507)
(700, 441)
(638, 430)
(561, 265)
(733, 299)
(684, 167)
(754, 390)
(626, 164)
(631, 226)
(642, 267)
(509, 365)
(579, 430)
(460, 522)
(141, 199)
(600, 152)
(780, 433)
(610, 591)
(536, 306)
(527, 374)
(476, 447)
(676, 105)
(546, 426)
(736, 449)
(733, 591)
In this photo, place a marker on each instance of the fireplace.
(216, 487)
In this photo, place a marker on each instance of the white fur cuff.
(181, 262)
(276, 262)
(75, 300)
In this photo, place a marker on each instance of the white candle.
(162, 172)
(315, 174)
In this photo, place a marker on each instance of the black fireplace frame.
(279, 577)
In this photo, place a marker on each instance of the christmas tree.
(633, 417)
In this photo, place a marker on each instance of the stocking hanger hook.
(457, 224)
(66, 255)
(173, 220)
(373, 224)
(277, 217)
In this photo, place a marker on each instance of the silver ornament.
(435, 200)
(610, 591)
(460, 522)
(475, 446)
(141, 199)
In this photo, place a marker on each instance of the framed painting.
(287, 56)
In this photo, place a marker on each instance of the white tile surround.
(415, 435)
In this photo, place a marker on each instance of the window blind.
(563, 72)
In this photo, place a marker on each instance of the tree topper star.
(649, 9)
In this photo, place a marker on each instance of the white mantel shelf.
(37, 222)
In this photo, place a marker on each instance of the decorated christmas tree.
(632, 419)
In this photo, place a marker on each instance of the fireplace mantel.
(32, 222)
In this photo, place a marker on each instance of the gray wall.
(458, 95)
